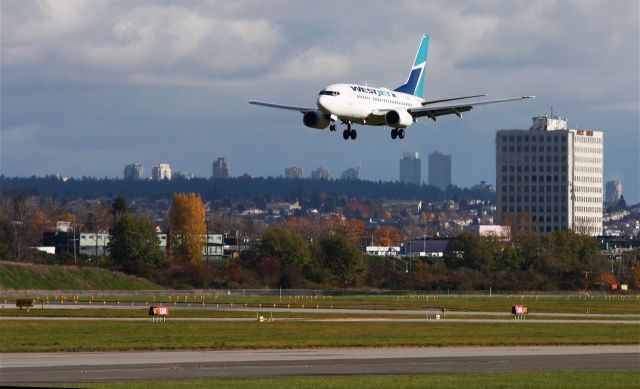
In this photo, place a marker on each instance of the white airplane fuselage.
(397, 109)
(355, 103)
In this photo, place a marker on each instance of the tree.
(568, 256)
(387, 236)
(342, 258)
(134, 246)
(119, 207)
(188, 228)
(6, 239)
(287, 247)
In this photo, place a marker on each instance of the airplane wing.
(429, 102)
(433, 112)
(281, 106)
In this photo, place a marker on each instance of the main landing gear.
(349, 133)
(397, 133)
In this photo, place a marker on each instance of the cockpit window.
(329, 92)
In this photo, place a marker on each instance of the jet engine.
(398, 118)
(316, 119)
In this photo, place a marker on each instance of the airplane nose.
(323, 103)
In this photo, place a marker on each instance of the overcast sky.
(89, 86)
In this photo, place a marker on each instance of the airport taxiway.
(158, 365)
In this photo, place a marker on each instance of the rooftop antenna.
(552, 111)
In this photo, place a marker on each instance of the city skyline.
(90, 87)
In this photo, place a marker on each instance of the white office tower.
(161, 172)
(549, 177)
(134, 172)
(613, 191)
(320, 174)
(439, 170)
(220, 168)
(353, 173)
(410, 168)
(293, 172)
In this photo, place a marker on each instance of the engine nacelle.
(398, 118)
(316, 119)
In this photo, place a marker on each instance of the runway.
(128, 366)
(325, 320)
(313, 309)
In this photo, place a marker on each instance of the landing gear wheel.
(401, 133)
(394, 133)
(332, 127)
(346, 134)
(353, 134)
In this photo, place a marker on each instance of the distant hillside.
(29, 276)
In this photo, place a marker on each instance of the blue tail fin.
(415, 82)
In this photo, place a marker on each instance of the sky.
(90, 86)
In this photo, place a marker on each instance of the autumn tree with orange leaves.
(387, 236)
(188, 228)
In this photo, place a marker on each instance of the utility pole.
(73, 240)
(96, 251)
(206, 222)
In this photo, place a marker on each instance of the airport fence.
(217, 293)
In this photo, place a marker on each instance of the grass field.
(606, 304)
(188, 313)
(52, 277)
(545, 380)
(32, 336)
(597, 304)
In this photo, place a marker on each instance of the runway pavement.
(313, 309)
(123, 366)
(325, 320)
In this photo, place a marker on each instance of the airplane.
(398, 108)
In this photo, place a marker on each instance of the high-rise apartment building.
(161, 172)
(220, 168)
(134, 172)
(353, 173)
(439, 170)
(294, 172)
(410, 168)
(613, 191)
(549, 177)
(320, 174)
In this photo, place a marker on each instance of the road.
(124, 366)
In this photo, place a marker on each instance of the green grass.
(596, 304)
(542, 380)
(142, 312)
(54, 277)
(32, 336)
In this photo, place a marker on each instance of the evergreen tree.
(134, 246)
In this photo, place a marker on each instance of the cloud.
(153, 80)
(104, 40)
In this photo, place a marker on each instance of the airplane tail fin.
(415, 82)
